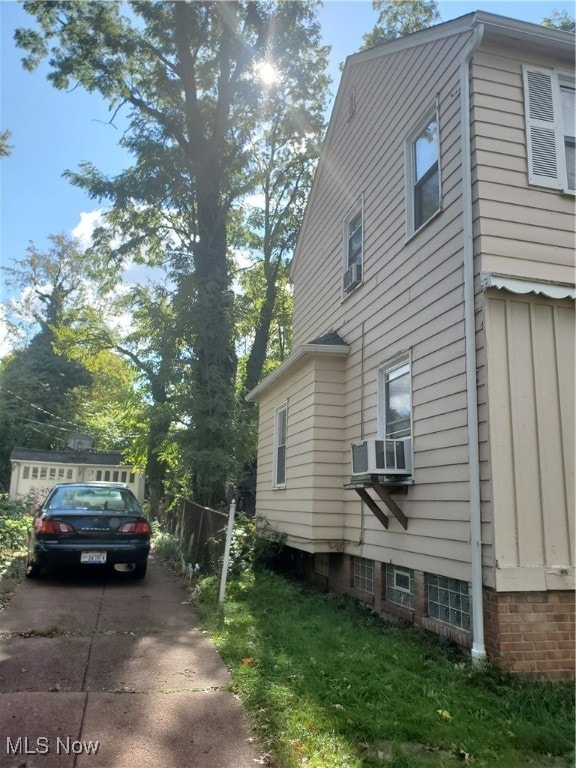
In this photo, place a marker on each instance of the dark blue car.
(91, 524)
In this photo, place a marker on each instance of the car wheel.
(139, 570)
(33, 570)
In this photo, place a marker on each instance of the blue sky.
(53, 131)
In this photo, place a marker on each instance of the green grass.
(329, 685)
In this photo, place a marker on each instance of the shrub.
(14, 522)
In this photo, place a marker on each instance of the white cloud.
(89, 220)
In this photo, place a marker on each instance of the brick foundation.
(532, 633)
(528, 633)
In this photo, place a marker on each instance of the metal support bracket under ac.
(385, 496)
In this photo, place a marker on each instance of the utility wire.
(35, 421)
(39, 408)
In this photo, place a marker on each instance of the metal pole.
(227, 551)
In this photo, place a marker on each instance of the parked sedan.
(89, 524)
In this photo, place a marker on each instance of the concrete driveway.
(99, 671)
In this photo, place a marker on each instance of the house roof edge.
(301, 352)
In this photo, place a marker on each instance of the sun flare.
(267, 73)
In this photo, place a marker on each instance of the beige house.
(417, 447)
(36, 471)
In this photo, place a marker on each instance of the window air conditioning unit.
(382, 457)
(352, 277)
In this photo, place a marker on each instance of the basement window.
(399, 585)
(449, 601)
(363, 574)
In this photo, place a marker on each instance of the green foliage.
(255, 545)
(57, 383)
(37, 389)
(329, 684)
(397, 18)
(205, 132)
(5, 148)
(15, 519)
(560, 20)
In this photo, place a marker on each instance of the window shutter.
(542, 129)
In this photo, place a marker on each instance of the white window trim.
(557, 177)
(358, 208)
(433, 111)
(393, 362)
(283, 407)
(401, 571)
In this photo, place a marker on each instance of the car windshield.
(118, 500)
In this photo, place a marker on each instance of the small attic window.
(351, 103)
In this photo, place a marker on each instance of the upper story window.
(550, 105)
(280, 429)
(353, 250)
(423, 173)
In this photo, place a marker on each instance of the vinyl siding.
(309, 510)
(526, 231)
(411, 299)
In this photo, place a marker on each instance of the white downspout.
(478, 647)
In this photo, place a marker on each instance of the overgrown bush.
(255, 545)
(14, 521)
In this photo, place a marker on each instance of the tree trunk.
(257, 356)
(214, 357)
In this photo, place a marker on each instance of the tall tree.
(186, 73)
(282, 164)
(37, 383)
(149, 342)
(397, 18)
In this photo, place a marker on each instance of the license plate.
(97, 558)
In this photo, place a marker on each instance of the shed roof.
(111, 458)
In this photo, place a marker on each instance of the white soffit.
(512, 284)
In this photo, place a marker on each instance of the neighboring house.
(434, 328)
(35, 472)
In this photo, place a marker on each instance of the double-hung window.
(423, 172)
(550, 104)
(353, 249)
(280, 429)
(395, 411)
(396, 399)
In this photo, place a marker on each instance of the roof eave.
(303, 351)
